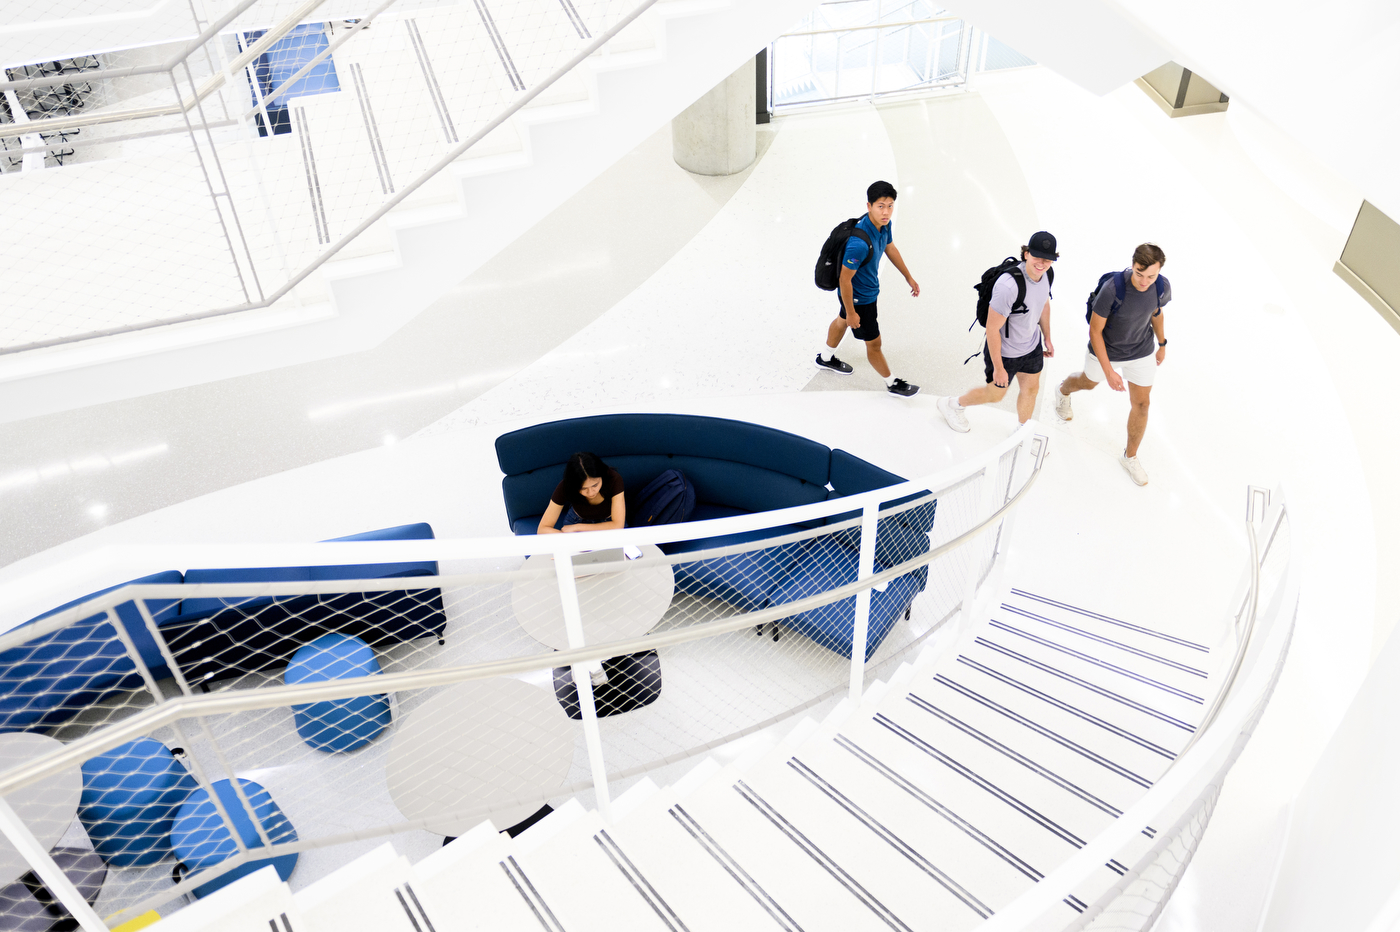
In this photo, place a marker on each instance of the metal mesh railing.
(193, 178)
(178, 734)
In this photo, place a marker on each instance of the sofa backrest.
(731, 462)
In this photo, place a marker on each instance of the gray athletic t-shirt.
(1128, 333)
(1021, 332)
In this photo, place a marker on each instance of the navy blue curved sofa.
(46, 681)
(737, 468)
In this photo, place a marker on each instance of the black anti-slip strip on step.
(1066, 707)
(1112, 621)
(1094, 661)
(408, 888)
(1117, 868)
(1076, 903)
(1146, 655)
(530, 895)
(639, 882)
(1045, 822)
(1037, 769)
(1039, 729)
(824, 860)
(734, 870)
(893, 840)
(1092, 687)
(499, 43)
(957, 821)
(575, 20)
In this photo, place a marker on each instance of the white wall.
(1342, 862)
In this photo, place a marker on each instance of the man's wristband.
(1163, 343)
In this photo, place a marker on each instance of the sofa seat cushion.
(745, 580)
(823, 565)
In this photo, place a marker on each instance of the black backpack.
(667, 499)
(1120, 291)
(834, 253)
(1009, 266)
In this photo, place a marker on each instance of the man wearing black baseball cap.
(1018, 335)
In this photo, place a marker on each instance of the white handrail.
(24, 598)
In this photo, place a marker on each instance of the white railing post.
(860, 633)
(583, 682)
(50, 873)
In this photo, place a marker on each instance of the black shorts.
(1031, 363)
(869, 327)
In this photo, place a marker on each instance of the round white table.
(480, 745)
(615, 605)
(47, 807)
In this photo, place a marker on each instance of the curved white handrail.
(22, 599)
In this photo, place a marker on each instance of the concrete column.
(717, 134)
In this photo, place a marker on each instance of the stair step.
(1087, 626)
(366, 893)
(590, 883)
(914, 883)
(989, 866)
(981, 801)
(1152, 721)
(470, 888)
(775, 868)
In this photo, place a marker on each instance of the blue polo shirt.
(865, 286)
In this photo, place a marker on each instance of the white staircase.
(948, 791)
(438, 235)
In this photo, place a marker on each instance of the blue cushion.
(337, 725)
(823, 565)
(201, 839)
(51, 678)
(613, 435)
(745, 580)
(130, 797)
(419, 531)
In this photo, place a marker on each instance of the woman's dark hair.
(580, 468)
(878, 190)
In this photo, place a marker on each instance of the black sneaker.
(835, 365)
(903, 389)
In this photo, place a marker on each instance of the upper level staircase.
(944, 794)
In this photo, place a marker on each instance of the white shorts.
(1139, 371)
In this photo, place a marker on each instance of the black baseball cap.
(1042, 246)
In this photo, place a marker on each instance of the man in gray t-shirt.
(1127, 342)
(1018, 336)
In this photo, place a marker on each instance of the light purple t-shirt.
(1020, 334)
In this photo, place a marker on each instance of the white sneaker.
(953, 414)
(1134, 468)
(1062, 408)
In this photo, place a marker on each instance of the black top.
(588, 512)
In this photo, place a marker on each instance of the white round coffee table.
(480, 747)
(615, 605)
(47, 807)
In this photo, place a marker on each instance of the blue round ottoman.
(130, 796)
(337, 724)
(201, 839)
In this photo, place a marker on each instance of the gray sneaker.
(1062, 408)
(902, 388)
(954, 415)
(835, 365)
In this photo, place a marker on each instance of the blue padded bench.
(737, 468)
(130, 797)
(46, 681)
(201, 839)
(337, 725)
(215, 638)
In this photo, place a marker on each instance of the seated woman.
(592, 493)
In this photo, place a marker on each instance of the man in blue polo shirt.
(860, 286)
